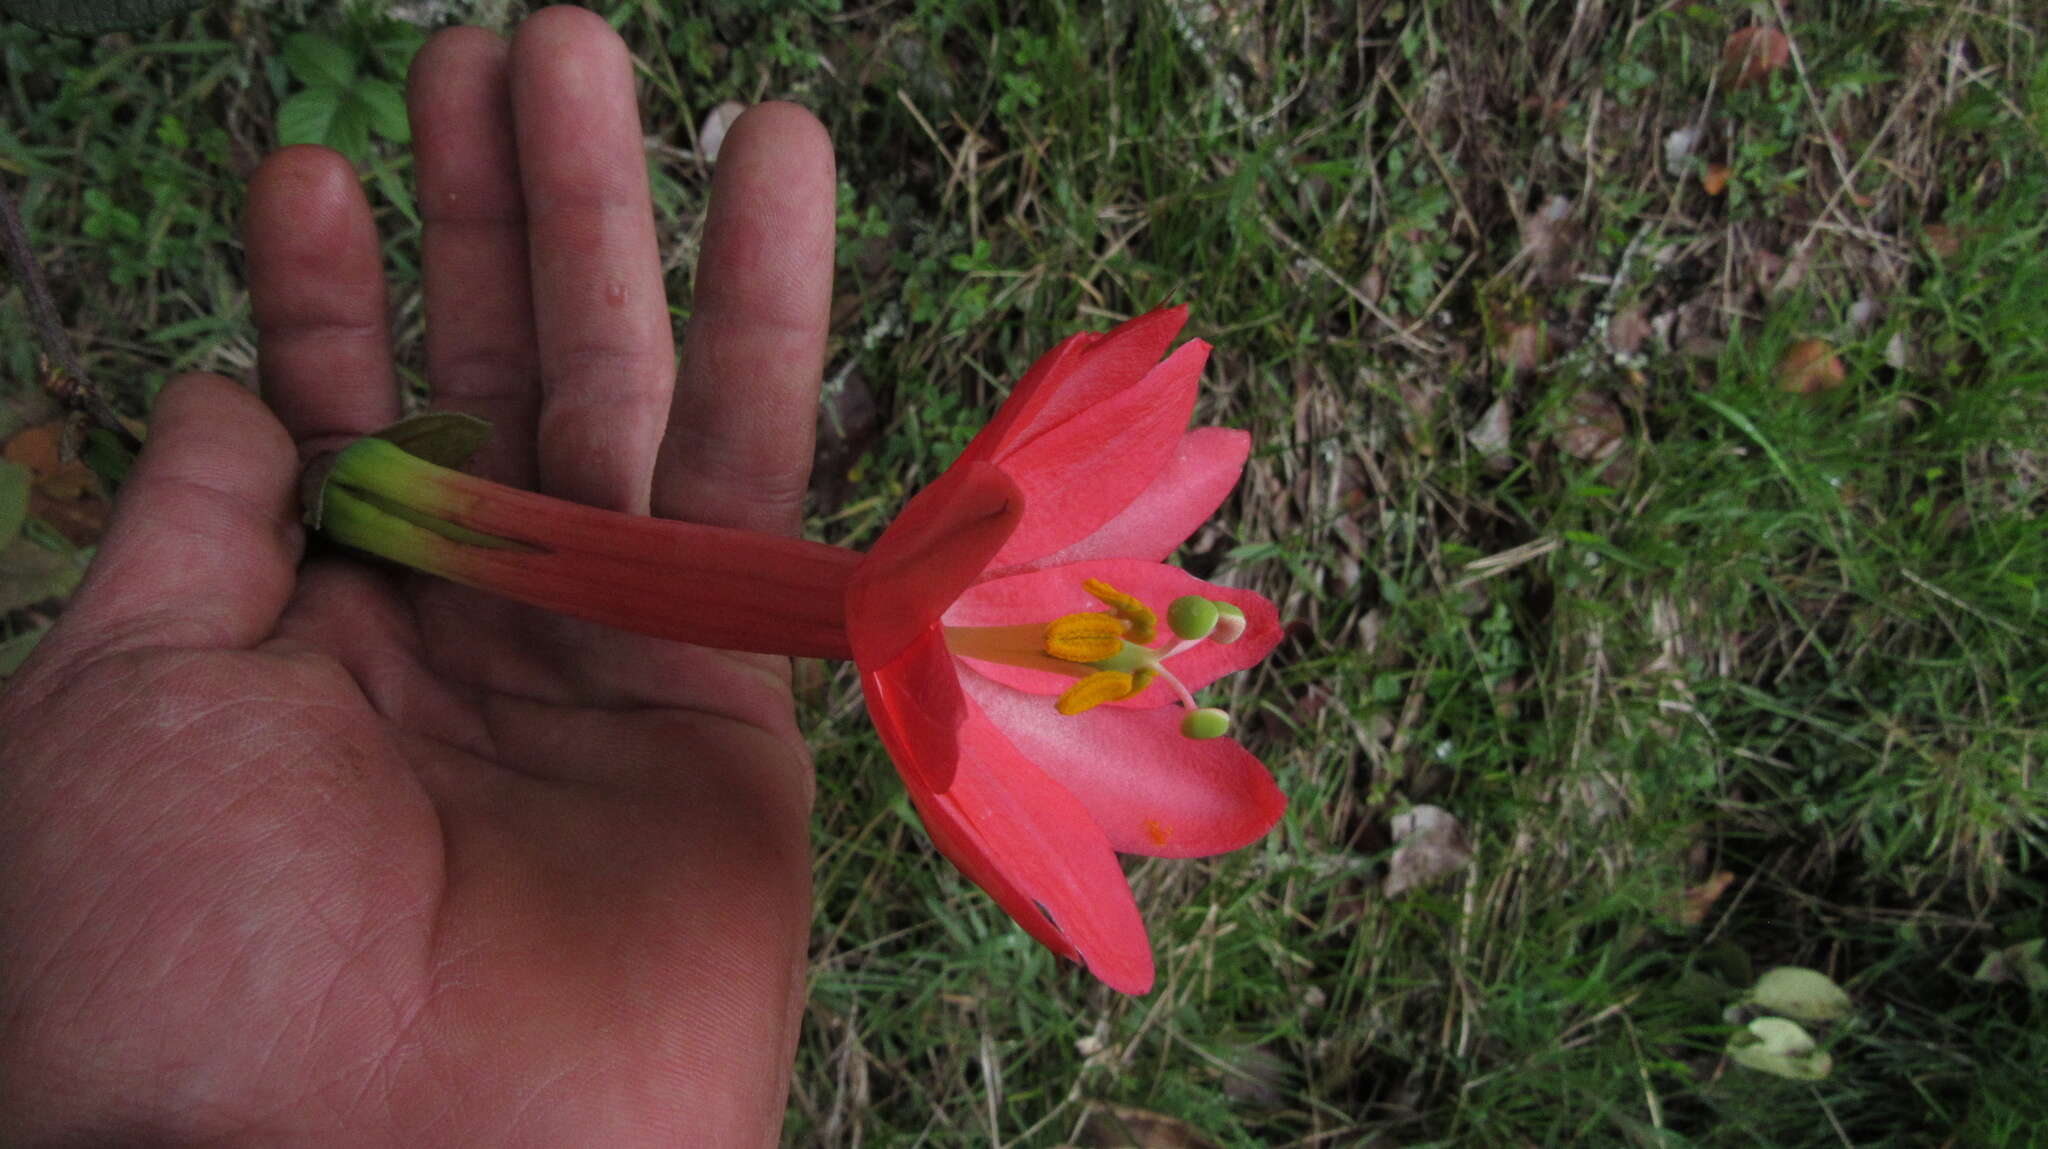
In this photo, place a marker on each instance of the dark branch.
(67, 381)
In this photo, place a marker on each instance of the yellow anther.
(1144, 624)
(1090, 636)
(1094, 690)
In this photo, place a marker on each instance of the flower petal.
(1151, 790)
(1183, 496)
(1042, 595)
(1039, 384)
(1033, 847)
(1079, 475)
(1104, 369)
(917, 707)
(939, 544)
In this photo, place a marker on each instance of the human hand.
(329, 855)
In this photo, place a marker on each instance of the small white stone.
(717, 122)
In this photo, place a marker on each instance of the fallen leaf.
(1547, 236)
(1715, 179)
(1523, 347)
(1629, 330)
(1751, 54)
(1810, 366)
(1592, 430)
(1126, 1127)
(1429, 844)
(717, 122)
(1781, 1048)
(64, 494)
(1801, 993)
(1699, 899)
(1490, 435)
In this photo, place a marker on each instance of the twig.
(67, 381)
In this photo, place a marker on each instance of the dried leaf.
(65, 494)
(1126, 1127)
(1593, 429)
(1701, 898)
(1523, 346)
(1810, 366)
(1429, 844)
(1752, 54)
(1941, 240)
(1801, 993)
(1715, 179)
(1629, 330)
(1490, 436)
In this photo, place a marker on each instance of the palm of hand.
(353, 866)
(327, 855)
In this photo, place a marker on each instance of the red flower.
(982, 605)
(1005, 625)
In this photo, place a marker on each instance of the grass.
(1559, 553)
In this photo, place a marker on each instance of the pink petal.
(1043, 595)
(1183, 496)
(1151, 790)
(1039, 384)
(1107, 368)
(1081, 474)
(917, 707)
(1032, 846)
(939, 544)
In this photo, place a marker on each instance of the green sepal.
(444, 438)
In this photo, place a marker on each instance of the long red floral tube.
(1030, 661)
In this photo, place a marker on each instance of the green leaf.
(14, 485)
(393, 187)
(1796, 992)
(30, 574)
(387, 110)
(1780, 1048)
(349, 133)
(95, 17)
(318, 61)
(2015, 963)
(307, 116)
(15, 651)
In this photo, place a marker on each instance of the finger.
(738, 451)
(204, 542)
(316, 285)
(480, 349)
(607, 356)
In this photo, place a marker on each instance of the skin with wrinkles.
(318, 854)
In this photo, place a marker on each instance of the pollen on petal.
(1089, 636)
(1144, 624)
(1094, 690)
(1157, 832)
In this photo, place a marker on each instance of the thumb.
(205, 540)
